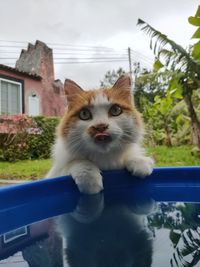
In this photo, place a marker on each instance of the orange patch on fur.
(124, 98)
(75, 104)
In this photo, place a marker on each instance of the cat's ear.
(71, 88)
(124, 82)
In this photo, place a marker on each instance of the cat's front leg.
(137, 163)
(87, 176)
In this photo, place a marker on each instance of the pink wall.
(51, 103)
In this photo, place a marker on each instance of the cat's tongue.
(102, 137)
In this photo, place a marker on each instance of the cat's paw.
(89, 208)
(88, 178)
(140, 167)
(89, 183)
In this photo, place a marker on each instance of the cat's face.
(100, 120)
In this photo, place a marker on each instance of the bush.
(14, 136)
(39, 145)
(23, 137)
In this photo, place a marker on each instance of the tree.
(183, 66)
(111, 77)
(147, 86)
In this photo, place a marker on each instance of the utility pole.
(130, 67)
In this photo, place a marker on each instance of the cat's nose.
(101, 127)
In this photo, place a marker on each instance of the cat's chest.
(108, 162)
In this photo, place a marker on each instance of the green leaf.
(174, 90)
(161, 41)
(140, 22)
(176, 93)
(195, 21)
(167, 101)
(198, 12)
(157, 65)
(196, 34)
(179, 119)
(157, 99)
(196, 50)
(165, 106)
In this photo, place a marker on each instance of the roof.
(16, 71)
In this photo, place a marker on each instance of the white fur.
(100, 100)
(79, 156)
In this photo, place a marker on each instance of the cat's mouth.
(102, 138)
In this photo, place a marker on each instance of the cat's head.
(100, 120)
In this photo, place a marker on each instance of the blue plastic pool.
(132, 223)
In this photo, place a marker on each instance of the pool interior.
(137, 223)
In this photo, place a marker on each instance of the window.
(15, 234)
(10, 97)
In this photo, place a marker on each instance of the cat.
(105, 233)
(100, 130)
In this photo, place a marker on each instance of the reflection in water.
(181, 222)
(111, 236)
(105, 232)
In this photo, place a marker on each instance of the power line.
(11, 41)
(69, 47)
(139, 58)
(9, 52)
(102, 53)
(141, 55)
(76, 58)
(85, 60)
(142, 60)
(78, 49)
(16, 46)
(75, 54)
(92, 57)
(88, 62)
(81, 62)
(14, 54)
(61, 44)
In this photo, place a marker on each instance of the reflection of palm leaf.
(191, 243)
(187, 251)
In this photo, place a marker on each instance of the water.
(109, 232)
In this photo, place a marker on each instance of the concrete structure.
(30, 87)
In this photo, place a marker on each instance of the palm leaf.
(178, 55)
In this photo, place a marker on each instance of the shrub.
(40, 144)
(14, 136)
(23, 137)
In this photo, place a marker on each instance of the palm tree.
(184, 68)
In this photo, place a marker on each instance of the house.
(30, 87)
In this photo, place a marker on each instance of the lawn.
(174, 156)
(36, 169)
(25, 169)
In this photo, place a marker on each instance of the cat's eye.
(85, 114)
(115, 110)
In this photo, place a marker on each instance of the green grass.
(25, 169)
(35, 169)
(174, 156)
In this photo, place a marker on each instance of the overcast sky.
(107, 23)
